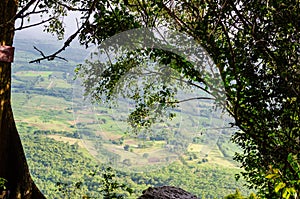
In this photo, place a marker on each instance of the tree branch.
(190, 99)
(33, 12)
(175, 17)
(47, 57)
(184, 81)
(69, 40)
(20, 13)
(33, 25)
(72, 8)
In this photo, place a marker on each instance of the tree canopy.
(255, 48)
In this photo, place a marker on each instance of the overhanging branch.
(69, 40)
(49, 58)
(190, 99)
(21, 27)
(23, 10)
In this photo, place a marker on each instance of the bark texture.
(13, 165)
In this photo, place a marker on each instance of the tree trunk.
(13, 166)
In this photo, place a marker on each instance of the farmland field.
(49, 105)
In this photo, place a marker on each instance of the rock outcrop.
(166, 192)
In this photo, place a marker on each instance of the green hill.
(66, 138)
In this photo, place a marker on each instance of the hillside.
(66, 138)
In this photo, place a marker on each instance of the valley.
(65, 138)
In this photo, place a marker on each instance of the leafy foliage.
(255, 46)
(238, 195)
(110, 188)
(52, 161)
(3, 183)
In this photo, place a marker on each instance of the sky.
(38, 33)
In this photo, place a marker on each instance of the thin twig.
(72, 8)
(190, 99)
(33, 13)
(20, 13)
(47, 57)
(184, 81)
(69, 40)
(21, 27)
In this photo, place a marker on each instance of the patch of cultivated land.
(68, 140)
(45, 112)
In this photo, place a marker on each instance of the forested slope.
(43, 104)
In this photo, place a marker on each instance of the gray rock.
(166, 192)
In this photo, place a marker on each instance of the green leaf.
(272, 176)
(288, 192)
(279, 186)
(129, 190)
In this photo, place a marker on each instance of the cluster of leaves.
(287, 190)
(109, 18)
(125, 78)
(149, 77)
(3, 183)
(52, 161)
(110, 188)
(255, 46)
(238, 195)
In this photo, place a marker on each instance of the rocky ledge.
(166, 192)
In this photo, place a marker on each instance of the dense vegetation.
(56, 154)
(255, 48)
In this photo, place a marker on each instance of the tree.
(236, 195)
(255, 46)
(126, 147)
(13, 165)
